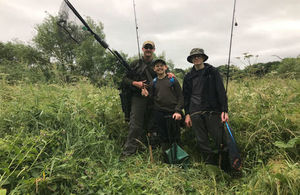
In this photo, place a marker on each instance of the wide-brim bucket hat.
(196, 52)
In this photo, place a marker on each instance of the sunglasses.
(148, 47)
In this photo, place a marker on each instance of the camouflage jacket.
(139, 73)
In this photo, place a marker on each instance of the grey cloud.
(178, 25)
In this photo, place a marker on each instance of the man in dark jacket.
(140, 106)
(205, 104)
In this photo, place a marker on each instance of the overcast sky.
(267, 28)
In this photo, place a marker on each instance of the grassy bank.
(67, 139)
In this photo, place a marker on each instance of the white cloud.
(278, 26)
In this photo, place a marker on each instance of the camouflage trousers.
(141, 121)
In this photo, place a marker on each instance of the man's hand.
(177, 116)
(170, 75)
(224, 117)
(144, 92)
(139, 84)
(188, 121)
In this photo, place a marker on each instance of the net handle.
(102, 43)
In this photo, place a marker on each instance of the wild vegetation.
(67, 139)
(62, 128)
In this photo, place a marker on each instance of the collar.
(195, 72)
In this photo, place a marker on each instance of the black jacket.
(210, 91)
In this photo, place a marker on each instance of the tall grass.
(57, 139)
(264, 112)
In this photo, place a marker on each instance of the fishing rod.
(138, 46)
(227, 78)
(230, 45)
(234, 155)
(136, 29)
(97, 37)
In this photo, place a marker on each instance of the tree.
(234, 71)
(54, 43)
(261, 69)
(85, 56)
(89, 54)
(22, 62)
(290, 65)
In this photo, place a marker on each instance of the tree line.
(54, 57)
(287, 67)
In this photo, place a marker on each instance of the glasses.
(148, 47)
(197, 56)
